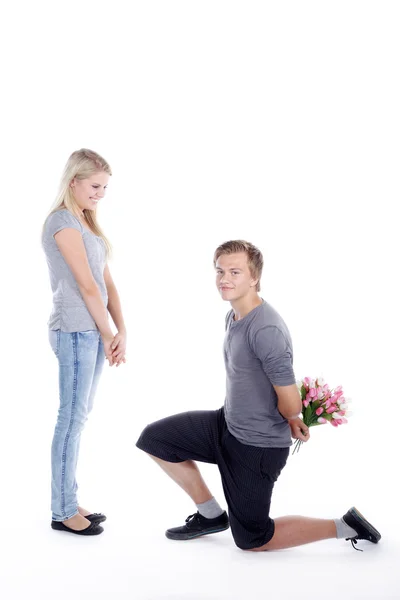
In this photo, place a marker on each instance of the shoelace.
(354, 542)
(358, 537)
(192, 518)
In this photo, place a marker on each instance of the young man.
(249, 438)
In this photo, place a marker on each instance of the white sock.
(210, 509)
(343, 530)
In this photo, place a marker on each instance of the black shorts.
(248, 472)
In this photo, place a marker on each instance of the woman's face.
(87, 192)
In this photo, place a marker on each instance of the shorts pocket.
(272, 461)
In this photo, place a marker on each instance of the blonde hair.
(81, 164)
(254, 257)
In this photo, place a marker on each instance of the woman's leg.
(77, 355)
(92, 394)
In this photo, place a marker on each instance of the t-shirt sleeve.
(227, 319)
(274, 351)
(62, 220)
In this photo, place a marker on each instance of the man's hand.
(299, 430)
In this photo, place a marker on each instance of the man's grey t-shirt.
(69, 312)
(258, 354)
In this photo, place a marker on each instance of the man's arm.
(289, 401)
(274, 351)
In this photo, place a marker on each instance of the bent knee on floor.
(258, 549)
(247, 544)
(246, 549)
(239, 543)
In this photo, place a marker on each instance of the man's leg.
(187, 475)
(296, 531)
(175, 443)
(248, 477)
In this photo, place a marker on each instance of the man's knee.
(149, 435)
(245, 548)
(238, 539)
(248, 542)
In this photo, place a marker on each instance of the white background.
(276, 122)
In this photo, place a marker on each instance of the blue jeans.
(81, 359)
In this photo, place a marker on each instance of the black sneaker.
(364, 529)
(196, 525)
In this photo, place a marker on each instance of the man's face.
(233, 277)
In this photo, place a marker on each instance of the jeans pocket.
(54, 339)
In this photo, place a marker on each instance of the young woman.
(80, 334)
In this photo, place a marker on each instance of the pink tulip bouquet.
(321, 404)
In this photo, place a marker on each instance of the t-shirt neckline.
(233, 322)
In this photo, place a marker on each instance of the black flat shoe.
(93, 529)
(96, 518)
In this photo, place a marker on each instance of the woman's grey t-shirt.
(69, 311)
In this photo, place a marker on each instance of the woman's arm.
(72, 248)
(115, 310)
(114, 303)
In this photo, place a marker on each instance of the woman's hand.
(108, 341)
(118, 348)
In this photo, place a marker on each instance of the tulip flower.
(317, 400)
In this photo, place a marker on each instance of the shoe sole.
(363, 521)
(185, 536)
(95, 530)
